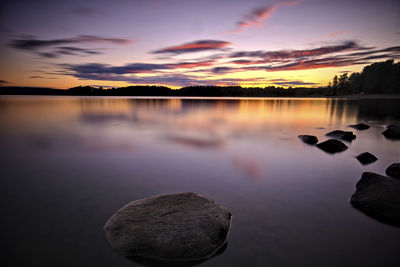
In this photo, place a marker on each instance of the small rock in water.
(332, 146)
(346, 136)
(393, 170)
(378, 197)
(309, 139)
(366, 158)
(175, 227)
(392, 132)
(359, 126)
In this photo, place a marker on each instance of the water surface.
(68, 163)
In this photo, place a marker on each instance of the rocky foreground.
(379, 197)
(177, 227)
(376, 195)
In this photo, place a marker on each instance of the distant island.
(376, 78)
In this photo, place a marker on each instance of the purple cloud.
(288, 83)
(196, 46)
(32, 44)
(57, 47)
(338, 55)
(290, 54)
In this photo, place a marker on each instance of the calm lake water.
(68, 163)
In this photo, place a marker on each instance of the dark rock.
(378, 197)
(392, 132)
(359, 126)
(309, 139)
(366, 158)
(332, 146)
(346, 136)
(183, 226)
(393, 170)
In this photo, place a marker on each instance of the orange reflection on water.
(214, 117)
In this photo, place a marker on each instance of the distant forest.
(376, 78)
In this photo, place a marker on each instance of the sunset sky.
(62, 44)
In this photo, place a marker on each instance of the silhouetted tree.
(335, 85)
(355, 83)
(377, 78)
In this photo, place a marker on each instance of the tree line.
(376, 78)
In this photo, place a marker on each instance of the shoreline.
(355, 97)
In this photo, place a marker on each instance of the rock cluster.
(377, 196)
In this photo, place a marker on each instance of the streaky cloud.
(285, 82)
(41, 77)
(103, 72)
(135, 67)
(32, 44)
(191, 64)
(288, 54)
(195, 46)
(68, 50)
(205, 71)
(256, 16)
(222, 70)
(58, 47)
(314, 64)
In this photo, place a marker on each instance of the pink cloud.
(196, 46)
(257, 15)
(191, 64)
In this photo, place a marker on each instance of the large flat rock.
(184, 226)
(379, 197)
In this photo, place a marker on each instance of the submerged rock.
(347, 136)
(366, 158)
(378, 197)
(309, 139)
(359, 126)
(184, 226)
(392, 132)
(393, 170)
(332, 146)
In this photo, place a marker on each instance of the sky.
(62, 44)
